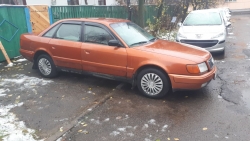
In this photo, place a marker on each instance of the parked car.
(225, 14)
(120, 50)
(205, 29)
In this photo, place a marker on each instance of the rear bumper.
(187, 82)
(27, 54)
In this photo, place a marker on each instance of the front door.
(98, 56)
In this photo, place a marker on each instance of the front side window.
(132, 34)
(70, 32)
(95, 34)
(203, 18)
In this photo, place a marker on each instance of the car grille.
(211, 62)
(200, 43)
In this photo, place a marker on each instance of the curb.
(67, 127)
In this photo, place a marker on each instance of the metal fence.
(62, 12)
(13, 22)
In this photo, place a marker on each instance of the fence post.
(27, 16)
(50, 16)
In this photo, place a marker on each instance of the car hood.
(175, 49)
(202, 29)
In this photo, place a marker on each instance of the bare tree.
(205, 4)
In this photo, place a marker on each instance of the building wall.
(46, 2)
(238, 4)
(95, 2)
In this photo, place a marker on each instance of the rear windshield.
(203, 18)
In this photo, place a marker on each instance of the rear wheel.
(46, 66)
(153, 83)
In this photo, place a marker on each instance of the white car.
(225, 13)
(205, 29)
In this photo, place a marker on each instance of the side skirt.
(101, 75)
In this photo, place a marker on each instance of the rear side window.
(51, 32)
(70, 32)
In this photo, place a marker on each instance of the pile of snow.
(11, 129)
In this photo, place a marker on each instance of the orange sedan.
(120, 50)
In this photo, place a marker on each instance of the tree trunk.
(141, 12)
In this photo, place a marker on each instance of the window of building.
(13, 2)
(73, 2)
(101, 2)
(230, 0)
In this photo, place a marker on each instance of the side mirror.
(228, 24)
(114, 43)
(179, 24)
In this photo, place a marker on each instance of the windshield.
(132, 34)
(203, 18)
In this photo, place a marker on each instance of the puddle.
(246, 97)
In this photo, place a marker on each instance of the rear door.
(98, 56)
(66, 45)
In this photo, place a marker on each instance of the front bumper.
(188, 82)
(219, 47)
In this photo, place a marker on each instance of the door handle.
(53, 48)
(87, 52)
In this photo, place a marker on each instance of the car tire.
(46, 66)
(153, 83)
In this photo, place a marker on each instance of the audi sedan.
(120, 50)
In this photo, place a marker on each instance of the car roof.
(97, 20)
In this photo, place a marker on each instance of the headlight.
(181, 35)
(218, 35)
(203, 67)
(196, 69)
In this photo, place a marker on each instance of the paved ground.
(36, 108)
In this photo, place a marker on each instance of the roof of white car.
(205, 10)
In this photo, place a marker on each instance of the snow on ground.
(11, 129)
(24, 82)
(20, 60)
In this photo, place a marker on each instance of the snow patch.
(146, 139)
(122, 129)
(106, 120)
(24, 82)
(164, 128)
(145, 126)
(95, 121)
(114, 133)
(20, 60)
(151, 121)
(11, 129)
(130, 134)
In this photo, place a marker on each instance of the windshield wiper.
(153, 39)
(142, 42)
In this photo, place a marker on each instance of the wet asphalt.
(83, 108)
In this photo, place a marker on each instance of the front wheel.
(46, 66)
(153, 83)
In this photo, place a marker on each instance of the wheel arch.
(145, 66)
(38, 53)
